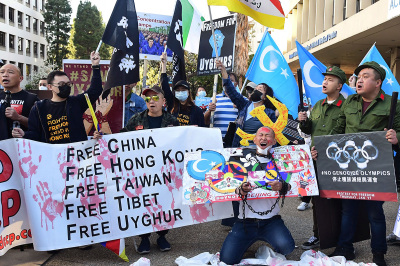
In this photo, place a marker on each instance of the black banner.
(356, 166)
(225, 34)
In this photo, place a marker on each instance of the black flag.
(175, 43)
(122, 33)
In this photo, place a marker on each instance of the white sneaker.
(303, 206)
(392, 239)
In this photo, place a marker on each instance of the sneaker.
(144, 246)
(392, 239)
(339, 251)
(163, 243)
(303, 206)
(379, 259)
(313, 242)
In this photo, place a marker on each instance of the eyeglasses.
(147, 99)
(60, 84)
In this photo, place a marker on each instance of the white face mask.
(263, 151)
(181, 95)
(202, 94)
(43, 88)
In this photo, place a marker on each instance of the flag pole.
(215, 76)
(159, 73)
(98, 46)
(244, 84)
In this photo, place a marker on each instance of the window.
(28, 47)
(28, 22)
(2, 39)
(42, 51)
(41, 27)
(12, 62)
(358, 6)
(28, 69)
(35, 49)
(19, 18)
(344, 9)
(35, 3)
(20, 44)
(2, 11)
(35, 68)
(35, 25)
(42, 6)
(11, 14)
(21, 67)
(374, 1)
(11, 40)
(28, 2)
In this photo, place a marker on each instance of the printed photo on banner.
(213, 175)
(225, 35)
(109, 111)
(95, 191)
(153, 35)
(356, 166)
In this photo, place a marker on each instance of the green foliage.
(43, 71)
(87, 30)
(57, 18)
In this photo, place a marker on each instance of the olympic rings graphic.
(360, 155)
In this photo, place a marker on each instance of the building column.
(304, 28)
(338, 11)
(293, 29)
(364, 4)
(395, 62)
(299, 22)
(350, 8)
(328, 14)
(319, 17)
(311, 19)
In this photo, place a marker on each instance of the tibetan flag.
(191, 27)
(267, 12)
(390, 83)
(118, 247)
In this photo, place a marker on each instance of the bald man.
(21, 101)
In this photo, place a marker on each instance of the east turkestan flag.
(267, 12)
(122, 33)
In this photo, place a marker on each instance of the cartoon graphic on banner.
(153, 35)
(356, 166)
(109, 110)
(225, 34)
(213, 175)
(202, 102)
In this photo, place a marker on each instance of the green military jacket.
(140, 121)
(322, 118)
(376, 117)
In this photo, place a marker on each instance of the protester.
(250, 88)
(321, 121)
(16, 115)
(366, 111)
(202, 100)
(258, 98)
(154, 117)
(253, 224)
(179, 101)
(133, 103)
(59, 120)
(43, 84)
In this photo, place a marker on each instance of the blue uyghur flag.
(312, 70)
(270, 67)
(390, 83)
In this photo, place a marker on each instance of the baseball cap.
(181, 83)
(155, 88)
(336, 71)
(251, 85)
(374, 65)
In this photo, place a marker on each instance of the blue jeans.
(376, 219)
(242, 236)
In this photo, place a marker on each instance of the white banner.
(122, 185)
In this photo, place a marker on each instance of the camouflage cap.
(336, 71)
(373, 65)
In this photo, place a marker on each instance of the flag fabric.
(390, 83)
(118, 247)
(191, 26)
(175, 43)
(312, 70)
(270, 67)
(267, 12)
(122, 33)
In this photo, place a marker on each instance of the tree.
(34, 78)
(88, 28)
(57, 18)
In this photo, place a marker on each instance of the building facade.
(341, 32)
(22, 34)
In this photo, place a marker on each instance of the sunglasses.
(147, 99)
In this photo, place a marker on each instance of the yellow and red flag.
(267, 12)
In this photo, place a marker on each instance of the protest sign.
(202, 102)
(94, 191)
(356, 166)
(153, 31)
(109, 110)
(213, 175)
(225, 34)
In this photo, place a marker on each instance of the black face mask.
(255, 97)
(65, 91)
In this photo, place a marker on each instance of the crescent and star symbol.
(306, 70)
(266, 50)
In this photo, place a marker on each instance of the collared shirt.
(323, 117)
(134, 105)
(141, 121)
(376, 117)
